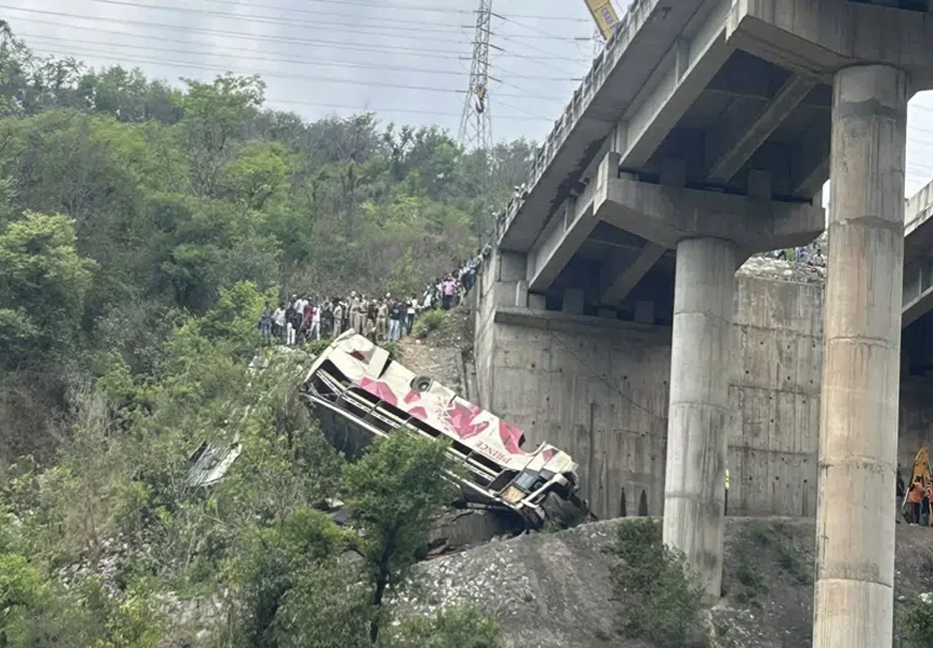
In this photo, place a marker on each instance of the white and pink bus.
(360, 393)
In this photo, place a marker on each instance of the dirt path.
(438, 362)
(439, 355)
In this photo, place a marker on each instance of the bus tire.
(422, 383)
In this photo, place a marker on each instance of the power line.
(317, 14)
(257, 18)
(418, 26)
(109, 56)
(333, 26)
(239, 53)
(434, 53)
(367, 109)
(531, 47)
(541, 33)
(49, 40)
(278, 75)
(516, 75)
(528, 117)
(343, 3)
(386, 5)
(405, 51)
(529, 94)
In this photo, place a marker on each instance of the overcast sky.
(407, 60)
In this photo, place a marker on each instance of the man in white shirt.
(300, 304)
(278, 322)
(315, 329)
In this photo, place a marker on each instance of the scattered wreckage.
(359, 393)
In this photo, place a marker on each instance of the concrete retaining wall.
(599, 392)
(598, 389)
(775, 396)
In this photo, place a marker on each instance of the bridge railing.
(582, 97)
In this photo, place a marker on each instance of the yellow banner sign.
(605, 16)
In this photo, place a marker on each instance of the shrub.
(270, 565)
(661, 601)
(459, 627)
(392, 348)
(317, 347)
(916, 624)
(751, 579)
(329, 607)
(394, 492)
(427, 322)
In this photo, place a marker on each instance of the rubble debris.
(211, 462)
(764, 266)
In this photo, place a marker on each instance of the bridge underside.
(754, 127)
(709, 104)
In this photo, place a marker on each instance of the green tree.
(271, 566)
(406, 278)
(215, 114)
(43, 282)
(915, 623)
(395, 491)
(257, 173)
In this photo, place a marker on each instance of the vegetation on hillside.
(142, 228)
(660, 600)
(916, 623)
(127, 204)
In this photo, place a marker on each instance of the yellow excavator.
(921, 470)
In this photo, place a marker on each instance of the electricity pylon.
(476, 123)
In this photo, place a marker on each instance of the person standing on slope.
(278, 323)
(395, 321)
(265, 325)
(382, 315)
(357, 313)
(338, 317)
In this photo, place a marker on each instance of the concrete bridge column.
(858, 432)
(699, 405)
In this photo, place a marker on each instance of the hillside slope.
(553, 590)
(440, 353)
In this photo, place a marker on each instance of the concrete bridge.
(703, 134)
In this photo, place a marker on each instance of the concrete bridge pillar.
(713, 233)
(854, 603)
(699, 405)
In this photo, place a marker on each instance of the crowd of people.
(811, 255)
(304, 318)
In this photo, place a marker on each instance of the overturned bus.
(359, 393)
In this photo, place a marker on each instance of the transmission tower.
(476, 124)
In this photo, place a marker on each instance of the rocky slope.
(441, 353)
(553, 590)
